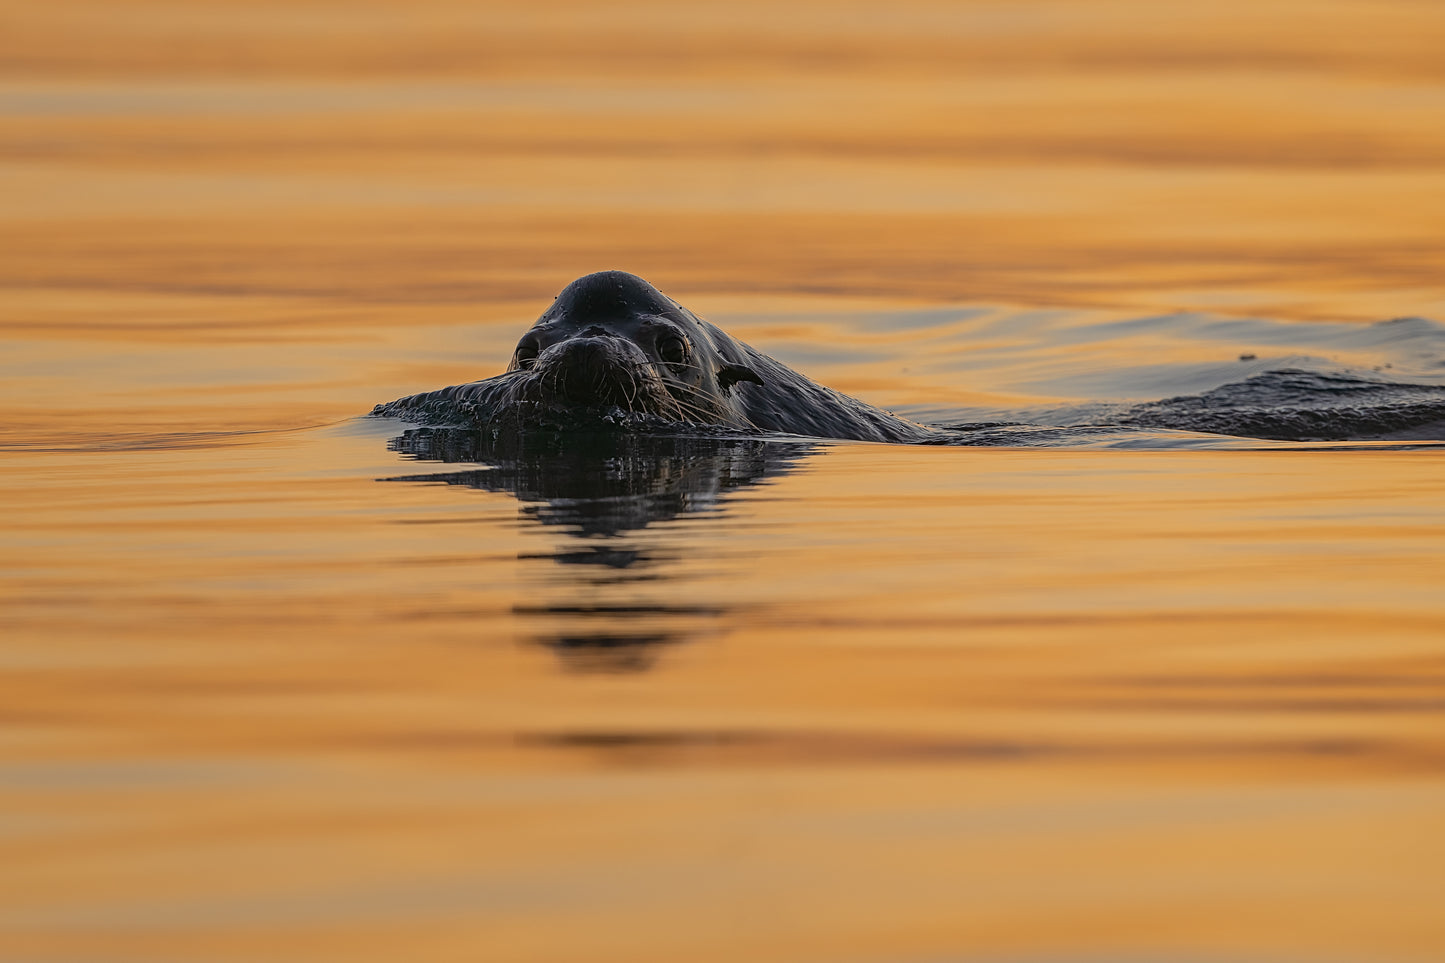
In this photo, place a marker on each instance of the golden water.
(872, 703)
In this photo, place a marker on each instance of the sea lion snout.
(599, 371)
(590, 370)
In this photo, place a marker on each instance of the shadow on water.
(604, 587)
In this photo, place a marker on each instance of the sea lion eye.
(671, 349)
(526, 354)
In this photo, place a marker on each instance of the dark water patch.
(675, 747)
(610, 652)
(1299, 405)
(623, 610)
(618, 637)
(1286, 404)
(602, 556)
(726, 747)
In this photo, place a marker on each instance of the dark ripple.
(1292, 404)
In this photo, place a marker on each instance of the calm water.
(282, 682)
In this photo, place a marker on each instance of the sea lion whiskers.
(747, 422)
(704, 416)
(630, 385)
(632, 369)
(708, 415)
(631, 389)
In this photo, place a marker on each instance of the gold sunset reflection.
(278, 682)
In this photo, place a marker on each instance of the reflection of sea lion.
(612, 605)
(601, 484)
(613, 348)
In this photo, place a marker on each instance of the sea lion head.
(611, 340)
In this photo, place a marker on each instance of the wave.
(1288, 404)
(1293, 404)
(1333, 383)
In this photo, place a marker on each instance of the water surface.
(279, 681)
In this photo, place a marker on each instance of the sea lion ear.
(730, 374)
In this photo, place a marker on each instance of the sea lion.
(612, 350)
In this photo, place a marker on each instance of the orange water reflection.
(1281, 157)
(272, 691)
(1083, 685)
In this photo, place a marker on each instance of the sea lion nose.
(589, 354)
(596, 331)
(591, 370)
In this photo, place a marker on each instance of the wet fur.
(608, 351)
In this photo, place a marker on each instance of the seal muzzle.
(600, 372)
